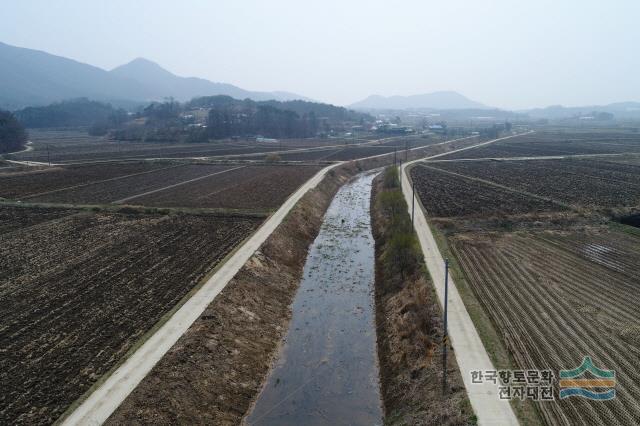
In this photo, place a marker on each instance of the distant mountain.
(31, 78)
(618, 109)
(435, 100)
(164, 84)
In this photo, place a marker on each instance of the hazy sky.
(509, 54)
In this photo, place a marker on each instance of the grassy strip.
(621, 227)
(133, 209)
(409, 321)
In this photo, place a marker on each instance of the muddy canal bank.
(409, 324)
(327, 370)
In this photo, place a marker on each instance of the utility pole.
(394, 156)
(406, 150)
(413, 200)
(445, 335)
(48, 156)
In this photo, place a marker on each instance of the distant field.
(350, 150)
(79, 288)
(446, 195)
(554, 143)
(103, 192)
(166, 184)
(28, 182)
(65, 146)
(250, 187)
(73, 146)
(580, 182)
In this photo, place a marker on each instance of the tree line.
(171, 121)
(12, 134)
(80, 112)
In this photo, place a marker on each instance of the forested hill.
(320, 110)
(71, 113)
(288, 119)
(12, 134)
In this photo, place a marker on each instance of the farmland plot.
(114, 190)
(294, 155)
(446, 195)
(553, 144)
(18, 218)
(556, 297)
(562, 288)
(78, 290)
(63, 146)
(252, 187)
(29, 182)
(581, 182)
(352, 153)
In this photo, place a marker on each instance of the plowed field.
(253, 187)
(580, 182)
(447, 195)
(79, 289)
(555, 143)
(556, 297)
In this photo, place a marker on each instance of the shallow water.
(327, 372)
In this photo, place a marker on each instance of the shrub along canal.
(327, 371)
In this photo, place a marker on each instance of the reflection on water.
(327, 372)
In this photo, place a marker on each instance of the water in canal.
(327, 371)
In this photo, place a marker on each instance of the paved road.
(469, 350)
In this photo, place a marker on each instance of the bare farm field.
(73, 146)
(556, 297)
(109, 191)
(165, 184)
(68, 146)
(28, 182)
(347, 150)
(82, 279)
(556, 144)
(542, 266)
(447, 195)
(12, 219)
(80, 288)
(587, 183)
(250, 187)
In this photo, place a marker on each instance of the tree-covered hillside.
(12, 135)
(72, 113)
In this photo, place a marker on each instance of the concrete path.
(468, 348)
(108, 396)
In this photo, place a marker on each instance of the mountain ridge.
(445, 99)
(30, 77)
